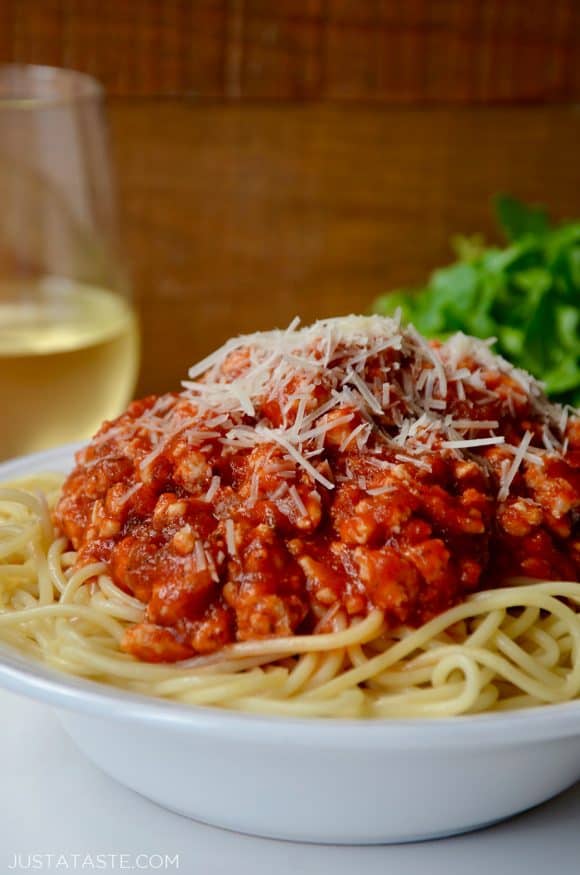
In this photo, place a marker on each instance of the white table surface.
(53, 801)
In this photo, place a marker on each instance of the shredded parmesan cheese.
(231, 538)
(213, 488)
(472, 442)
(300, 506)
(511, 472)
(282, 393)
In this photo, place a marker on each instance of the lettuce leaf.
(526, 294)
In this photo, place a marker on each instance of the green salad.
(526, 294)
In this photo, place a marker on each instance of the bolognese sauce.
(304, 478)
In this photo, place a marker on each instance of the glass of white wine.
(69, 345)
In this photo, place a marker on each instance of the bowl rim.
(23, 676)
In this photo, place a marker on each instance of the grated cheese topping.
(359, 384)
(514, 467)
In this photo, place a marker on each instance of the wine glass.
(69, 344)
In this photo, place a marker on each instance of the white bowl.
(316, 780)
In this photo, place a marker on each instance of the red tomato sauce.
(224, 543)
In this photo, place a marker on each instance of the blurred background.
(303, 156)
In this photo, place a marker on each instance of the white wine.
(68, 360)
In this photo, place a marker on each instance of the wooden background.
(301, 156)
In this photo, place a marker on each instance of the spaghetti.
(510, 647)
(340, 520)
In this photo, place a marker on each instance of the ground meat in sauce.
(228, 543)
